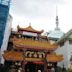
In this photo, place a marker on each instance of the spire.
(57, 21)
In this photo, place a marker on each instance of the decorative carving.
(33, 54)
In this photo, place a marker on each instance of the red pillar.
(45, 67)
(23, 65)
(45, 63)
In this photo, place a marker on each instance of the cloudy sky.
(42, 13)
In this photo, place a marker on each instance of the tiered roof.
(19, 56)
(29, 29)
(33, 44)
(13, 56)
(54, 58)
(24, 43)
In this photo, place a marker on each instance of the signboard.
(30, 54)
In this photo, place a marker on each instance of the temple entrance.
(33, 67)
(30, 67)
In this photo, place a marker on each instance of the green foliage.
(69, 70)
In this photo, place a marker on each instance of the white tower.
(57, 20)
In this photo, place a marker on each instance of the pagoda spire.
(57, 20)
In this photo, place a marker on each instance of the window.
(70, 41)
(61, 44)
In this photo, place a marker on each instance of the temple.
(29, 51)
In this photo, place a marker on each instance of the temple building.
(29, 51)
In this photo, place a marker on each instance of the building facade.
(6, 37)
(65, 48)
(4, 21)
(29, 51)
(4, 11)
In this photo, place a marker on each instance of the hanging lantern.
(35, 55)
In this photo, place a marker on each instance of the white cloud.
(41, 13)
(34, 7)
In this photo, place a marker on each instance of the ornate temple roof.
(18, 56)
(33, 44)
(54, 58)
(13, 56)
(29, 29)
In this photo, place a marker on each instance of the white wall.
(69, 53)
(6, 36)
(64, 51)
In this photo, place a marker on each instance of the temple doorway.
(33, 67)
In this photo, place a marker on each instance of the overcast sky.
(42, 13)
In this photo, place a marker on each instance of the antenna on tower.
(57, 20)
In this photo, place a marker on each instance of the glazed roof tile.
(34, 44)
